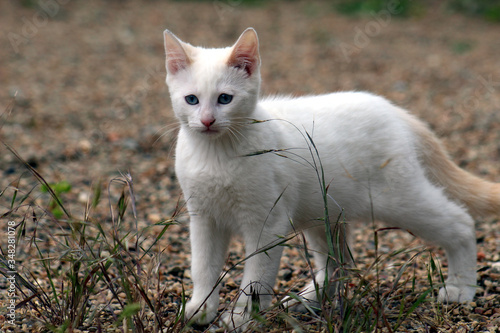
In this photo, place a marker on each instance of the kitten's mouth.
(210, 131)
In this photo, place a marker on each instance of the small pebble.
(85, 145)
(154, 217)
(495, 267)
(83, 197)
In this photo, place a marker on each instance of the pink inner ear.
(244, 62)
(176, 57)
(175, 63)
(245, 53)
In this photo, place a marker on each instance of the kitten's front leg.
(208, 250)
(261, 267)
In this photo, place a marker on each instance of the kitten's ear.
(245, 54)
(176, 56)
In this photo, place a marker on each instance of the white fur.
(368, 153)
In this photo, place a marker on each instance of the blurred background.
(87, 77)
(83, 98)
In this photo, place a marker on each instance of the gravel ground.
(82, 83)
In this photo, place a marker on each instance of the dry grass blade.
(39, 177)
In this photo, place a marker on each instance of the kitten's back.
(359, 124)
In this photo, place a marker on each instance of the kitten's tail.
(480, 196)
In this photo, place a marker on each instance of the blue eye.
(191, 99)
(224, 99)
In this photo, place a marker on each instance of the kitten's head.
(213, 90)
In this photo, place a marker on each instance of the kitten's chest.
(217, 194)
(209, 181)
(213, 181)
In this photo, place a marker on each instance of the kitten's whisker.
(241, 132)
(170, 131)
(233, 138)
(166, 126)
(235, 131)
(236, 136)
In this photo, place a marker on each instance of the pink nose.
(208, 122)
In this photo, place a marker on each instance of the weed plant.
(80, 258)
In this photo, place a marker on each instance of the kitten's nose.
(208, 121)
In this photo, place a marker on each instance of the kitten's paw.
(236, 320)
(301, 305)
(202, 315)
(454, 294)
(306, 301)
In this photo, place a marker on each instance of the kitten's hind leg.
(424, 210)
(328, 264)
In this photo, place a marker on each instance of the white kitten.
(248, 167)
